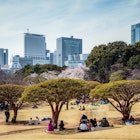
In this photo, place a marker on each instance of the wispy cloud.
(95, 21)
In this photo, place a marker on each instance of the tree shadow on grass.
(118, 120)
(70, 131)
(105, 128)
(16, 123)
(17, 131)
(67, 131)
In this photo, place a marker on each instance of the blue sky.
(94, 21)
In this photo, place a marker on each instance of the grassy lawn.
(71, 119)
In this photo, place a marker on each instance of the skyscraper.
(3, 56)
(35, 48)
(67, 46)
(135, 33)
(18, 62)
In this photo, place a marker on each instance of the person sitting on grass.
(80, 108)
(44, 119)
(83, 126)
(31, 122)
(37, 121)
(89, 125)
(61, 126)
(104, 123)
(50, 126)
(83, 108)
(35, 106)
(84, 118)
(132, 120)
(94, 122)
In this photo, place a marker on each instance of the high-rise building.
(76, 60)
(65, 47)
(18, 62)
(135, 33)
(49, 57)
(35, 48)
(54, 57)
(3, 56)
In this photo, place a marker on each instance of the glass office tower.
(35, 48)
(3, 56)
(135, 33)
(67, 46)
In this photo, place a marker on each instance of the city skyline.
(95, 21)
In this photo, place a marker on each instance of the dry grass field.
(71, 119)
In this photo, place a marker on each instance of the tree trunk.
(15, 114)
(55, 112)
(124, 110)
(67, 105)
(126, 115)
(55, 118)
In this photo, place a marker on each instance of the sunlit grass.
(71, 118)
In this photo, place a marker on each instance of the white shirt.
(83, 126)
(31, 122)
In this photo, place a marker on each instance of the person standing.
(7, 114)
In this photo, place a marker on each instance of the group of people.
(82, 107)
(51, 126)
(34, 122)
(129, 121)
(89, 124)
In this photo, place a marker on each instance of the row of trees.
(106, 62)
(114, 61)
(23, 76)
(10, 78)
(122, 95)
(38, 69)
(56, 92)
(104, 59)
